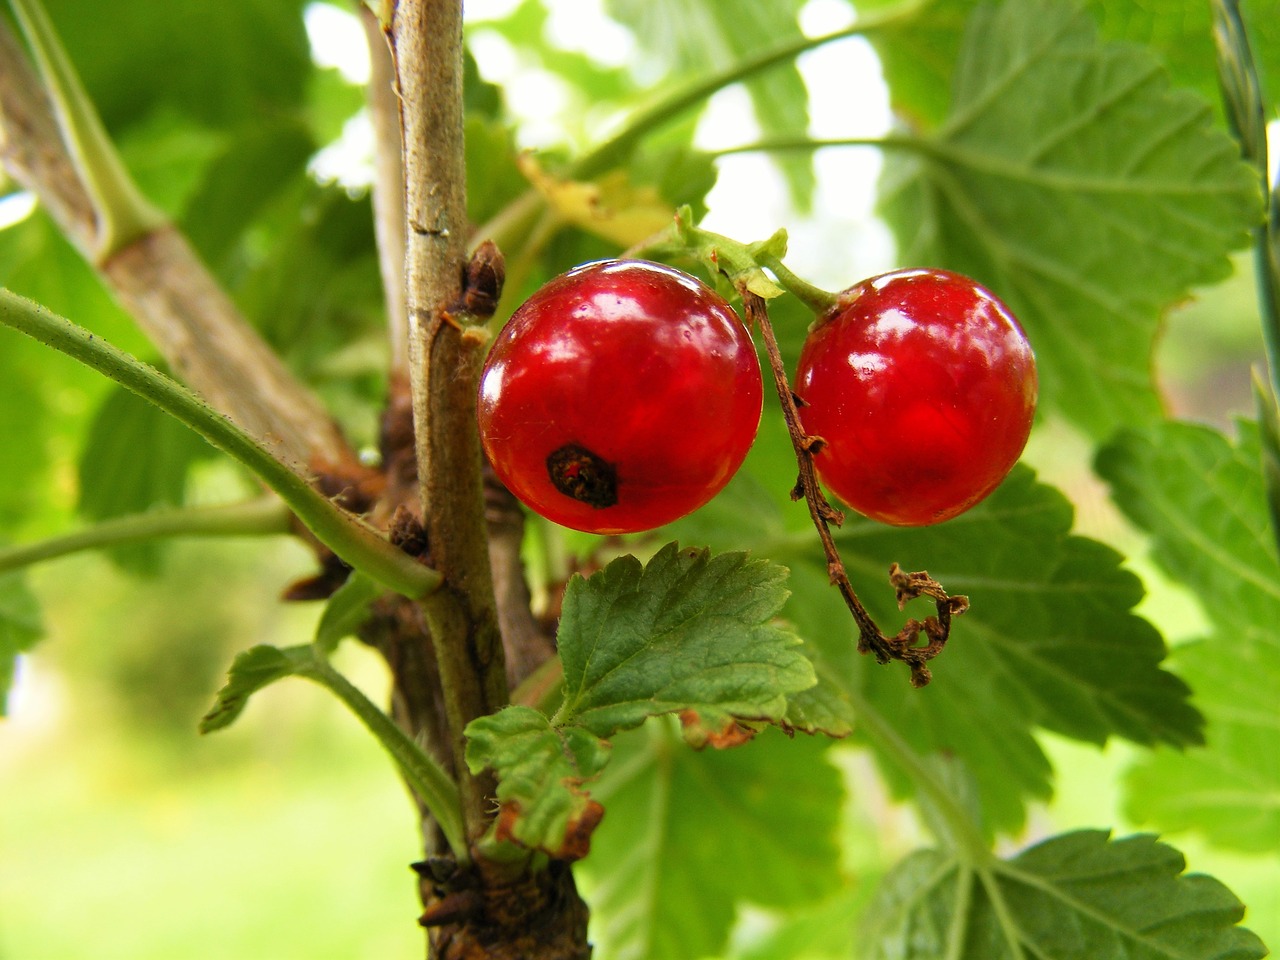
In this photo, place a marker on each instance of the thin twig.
(447, 344)
(388, 185)
(907, 586)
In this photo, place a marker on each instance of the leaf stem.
(123, 213)
(820, 301)
(427, 778)
(908, 586)
(610, 152)
(508, 225)
(960, 914)
(262, 517)
(345, 534)
(906, 142)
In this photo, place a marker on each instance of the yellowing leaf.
(611, 207)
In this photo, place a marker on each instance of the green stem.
(1247, 115)
(820, 301)
(510, 225)
(970, 846)
(426, 777)
(123, 213)
(906, 142)
(261, 517)
(346, 535)
(609, 153)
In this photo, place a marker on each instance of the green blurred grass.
(124, 834)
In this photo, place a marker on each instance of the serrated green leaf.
(251, 670)
(20, 627)
(686, 633)
(1203, 500)
(824, 708)
(919, 56)
(1076, 183)
(346, 611)
(541, 771)
(715, 830)
(1078, 895)
(1050, 641)
(1230, 789)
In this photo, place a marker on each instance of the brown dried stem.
(904, 645)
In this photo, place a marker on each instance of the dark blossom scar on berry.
(578, 473)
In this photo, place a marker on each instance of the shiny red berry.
(619, 397)
(923, 387)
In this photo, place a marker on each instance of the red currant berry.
(619, 397)
(923, 387)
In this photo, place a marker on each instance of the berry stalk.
(907, 586)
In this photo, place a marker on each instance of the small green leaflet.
(263, 665)
(686, 634)
(20, 627)
(1076, 183)
(542, 768)
(1077, 895)
(251, 670)
(1203, 500)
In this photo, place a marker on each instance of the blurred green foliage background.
(125, 835)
